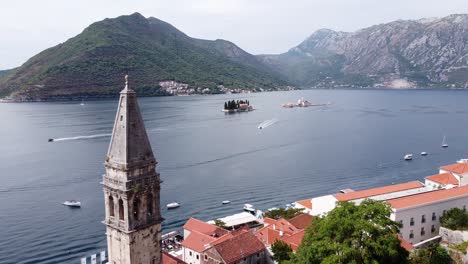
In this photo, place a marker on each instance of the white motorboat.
(423, 153)
(226, 202)
(408, 157)
(249, 208)
(462, 161)
(444, 142)
(82, 103)
(272, 209)
(72, 203)
(173, 205)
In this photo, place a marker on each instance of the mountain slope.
(400, 54)
(93, 62)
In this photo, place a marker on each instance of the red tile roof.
(405, 244)
(458, 168)
(307, 203)
(238, 247)
(444, 178)
(204, 228)
(301, 221)
(294, 240)
(428, 197)
(197, 241)
(168, 259)
(268, 220)
(267, 235)
(378, 191)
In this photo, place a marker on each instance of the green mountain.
(150, 50)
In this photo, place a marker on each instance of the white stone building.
(420, 213)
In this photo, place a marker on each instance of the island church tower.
(131, 189)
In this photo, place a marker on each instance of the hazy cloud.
(258, 26)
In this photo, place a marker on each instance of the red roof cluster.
(231, 246)
(289, 231)
(168, 259)
(458, 168)
(237, 246)
(443, 178)
(378, 191)
(428, 197)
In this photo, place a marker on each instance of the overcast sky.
(258, 26)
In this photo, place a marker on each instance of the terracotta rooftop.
(204, 228)
(294, 240)
(238, 247)
(378, 191)
(168, 259)
(405, 244)
(269, 221)
(301, 221)
(428, 197)
(197, 241)
(458, 168)
(307, 203)
(267, 235)
(444, 178)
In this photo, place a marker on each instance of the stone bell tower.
(131, 189)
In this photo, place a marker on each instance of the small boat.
(288, 205)
(272, 209)
(423, 153)
(82, 103)
(226, 202)
(249, 208)
(72, 203)
(444, 142)
(408, 157)
(173, 205)
(50, 140)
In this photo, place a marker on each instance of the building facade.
(131, 189)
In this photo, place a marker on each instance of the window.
(464, 208)
(411, 223)
(111, 205)
(149, 203)
(190, 253)
(434, 217)
(401, 223)
(121, 210)
(422, 231)
(121, 117)
(206, 257)
(423, 219)
(433, 229)
(136, 208)
(198, 256)
(411, 235)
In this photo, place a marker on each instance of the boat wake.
(81, 137)
(267, 123)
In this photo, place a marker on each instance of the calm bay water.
(206, 157)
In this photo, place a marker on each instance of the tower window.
(111, 205)
(121, 210)
(149, 203)
(121, 117)
(136, 208)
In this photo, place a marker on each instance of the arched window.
(121, 210)
(149, 203)
(111, 205)
(136, 207)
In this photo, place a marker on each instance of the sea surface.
(206, 156)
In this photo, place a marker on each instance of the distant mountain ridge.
(401, 54)
(93, 63)
(426, 53)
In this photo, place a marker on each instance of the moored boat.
(226, 202)
(408, 157)
(72, 203)
(423, 153)
(173, 205)
(444, 143)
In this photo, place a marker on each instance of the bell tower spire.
(131, 188)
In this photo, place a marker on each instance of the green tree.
(283, 213)
(433, 254)
(220, 223)
(353, 234)
(454, 218)
(225, 105)
(281, 251)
